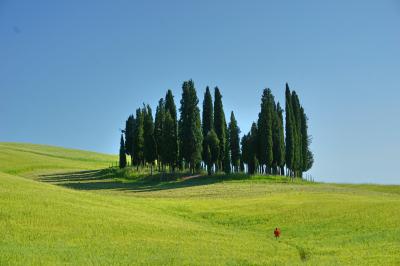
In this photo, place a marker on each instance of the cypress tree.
(208, 121)
(297, 161)
(190, 126)
(169, 139)
(212, 150)
(234, 144)
(129, 136)
(279, 154)
(219, 125)
(174, 146)
(149, 140)
(253, 148)
(122, 156)
(289, 154)
(158, 131)
(138, 142)
(307, 155)
(245, 150)
(265, 132)
(227, 157)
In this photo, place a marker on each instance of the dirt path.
(190, 177)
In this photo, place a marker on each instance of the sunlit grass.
(124, 217)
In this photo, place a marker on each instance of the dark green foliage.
(129, 136)
(226, 164)
(219, 125)
(207, 118)
(298, 161)
(234, 144)
(190, 126)
(279, 140)
(138, 141)
(290, 138)
(253, 145)
(158, 130)
(265, 130)
(299, 158)
(307, 155)
(212, 150)
(122, 156)
(150, 154)
(169, 139)
(245, 151)
(170, 107)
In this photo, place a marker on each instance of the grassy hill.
(72, 213)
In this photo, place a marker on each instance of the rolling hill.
(64, 206)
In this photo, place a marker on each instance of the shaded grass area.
(131, 180)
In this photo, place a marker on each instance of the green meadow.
(62, 206)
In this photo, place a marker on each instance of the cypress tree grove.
(129, 136)
(208, 122)
(234, 144)
(174, 146)
(138, 142)
(122, 156)
(219, 126)
(158, 132)
(187, 142)
(190, 126)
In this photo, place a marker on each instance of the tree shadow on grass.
(112, 179)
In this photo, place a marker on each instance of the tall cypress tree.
(190, 125)
(149, 141)
(138, 142)
(169, 139)
(219, 125)
(208, 121)
(234, 144)
(297, 161)
(122, 156)
(129, 136)
(279, 154)
(227, 156)
(158, 131)
(265, 132)
(290, 139)
(171, 108)
(307, 155)
(253, 145)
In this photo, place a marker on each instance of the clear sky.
(72, 71)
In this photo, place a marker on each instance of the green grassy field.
(57, 207)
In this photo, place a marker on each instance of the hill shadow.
(109, 179)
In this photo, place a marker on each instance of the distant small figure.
(277, 232)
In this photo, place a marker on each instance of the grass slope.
(112, 217)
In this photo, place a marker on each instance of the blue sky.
(72, 71)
